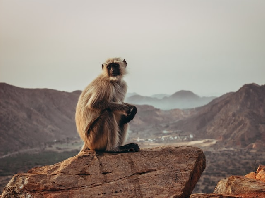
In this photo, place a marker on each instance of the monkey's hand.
(131, 113)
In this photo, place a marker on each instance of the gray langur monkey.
(101, 115)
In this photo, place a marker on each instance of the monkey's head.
(114, 68)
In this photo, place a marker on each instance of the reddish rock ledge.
(250, 186)
(158, 172)
(258, 175)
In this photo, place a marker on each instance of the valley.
(38, 128)
(221, 162)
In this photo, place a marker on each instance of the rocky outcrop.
(258, 175)
(250, 186)
(241, 186)
(158, 172)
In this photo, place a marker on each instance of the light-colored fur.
(99, 109)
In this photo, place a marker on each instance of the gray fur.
(99, 110)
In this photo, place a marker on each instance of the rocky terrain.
(132, 174)
(39, 118)
(222, 163)
(251, 185)
(237, 119)
(159, 172)
(181, 100)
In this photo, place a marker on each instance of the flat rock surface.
(158, 172)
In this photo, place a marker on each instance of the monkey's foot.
(131, 147)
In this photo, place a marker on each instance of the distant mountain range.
(33, 117)
(181, 99)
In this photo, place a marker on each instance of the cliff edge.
(157, 172)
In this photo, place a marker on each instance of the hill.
(37, 117)
(238, 119)
(32, 117)
(149, 121)
(181, 99)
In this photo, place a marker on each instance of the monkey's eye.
(108, 67)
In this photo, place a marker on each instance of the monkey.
(102, 116)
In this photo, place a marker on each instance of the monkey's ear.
(125, 62)
(102, 66)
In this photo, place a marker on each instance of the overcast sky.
(210, 47)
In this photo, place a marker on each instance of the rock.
(240, 185)
(202, 195)
(251, 175)
(236, 186)
(258, 175)
(158, 172)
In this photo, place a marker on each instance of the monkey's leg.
(123, 127)
(104, 135)
(122, 131)
(99, 135)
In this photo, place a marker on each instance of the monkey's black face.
(113, 69)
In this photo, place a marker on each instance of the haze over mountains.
(33, 117)
(181, 99)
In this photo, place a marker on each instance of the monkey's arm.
(115, 106)
(129, 105)
(100, 97)
(101, 103)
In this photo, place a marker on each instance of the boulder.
(158, 172)
(258, 175)
(240, 185)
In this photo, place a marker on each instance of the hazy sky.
(207, 46)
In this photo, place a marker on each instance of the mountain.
(186, 99)
(181, 99)
(159, 96)
(142, 100)
(149, 122)
(237, 118)
(131, 94)
(32, 117)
